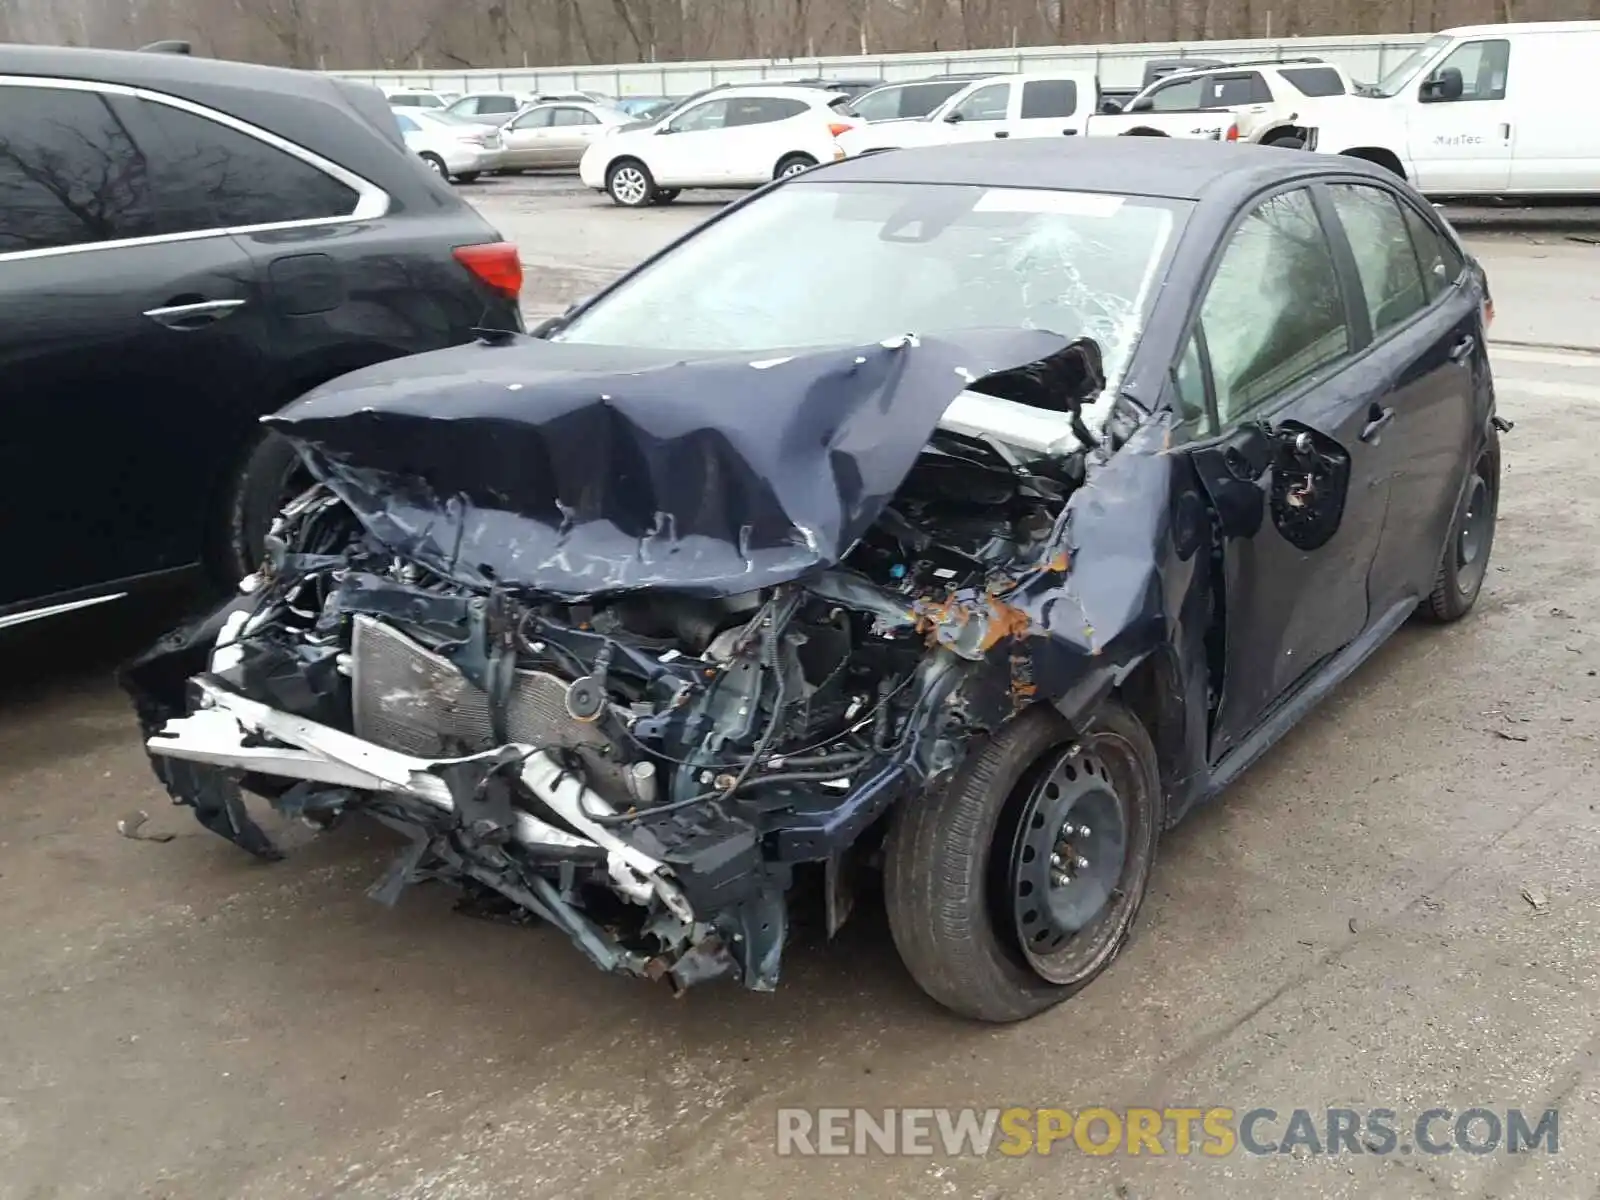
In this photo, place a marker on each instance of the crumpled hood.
(579, 470)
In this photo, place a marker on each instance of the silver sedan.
(555, 134)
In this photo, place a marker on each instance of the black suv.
(185, 245)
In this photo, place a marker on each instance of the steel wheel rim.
(1472, 546)
(628, 185)
(793, 168)
(1066, 894)
(438, 168)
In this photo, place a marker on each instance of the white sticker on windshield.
(1034, 200)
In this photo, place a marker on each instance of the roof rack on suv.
(1274, 62)
(170, 46)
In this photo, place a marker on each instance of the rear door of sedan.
(1428, 356)
(1275, 382)
(571, 131)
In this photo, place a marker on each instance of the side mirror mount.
(1142, 104)
(1444, 84)
(953, 117)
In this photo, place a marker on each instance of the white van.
(1487, 110)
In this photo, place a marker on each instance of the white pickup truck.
(1218, 104)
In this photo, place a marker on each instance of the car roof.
(1170, 168)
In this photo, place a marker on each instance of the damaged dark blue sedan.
(965, 515)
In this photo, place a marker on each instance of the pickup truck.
(1053, 104)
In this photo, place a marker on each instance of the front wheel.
(630, 184)
(436, 165)
(270, 476)
(1015, 885)
(1465, 559)
(665, 195)
(467, 177)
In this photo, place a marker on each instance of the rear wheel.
(467, 176)
(793, 164)
(1289, 141)
(1465, 560)
(630, 184)
(1014, 886)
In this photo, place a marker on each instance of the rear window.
(1314, 81)
(820, 264)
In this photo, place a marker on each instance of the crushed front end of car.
(625, 645)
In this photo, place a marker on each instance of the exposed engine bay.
(644, 768)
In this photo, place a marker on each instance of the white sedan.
(454, 148)
(739, 138)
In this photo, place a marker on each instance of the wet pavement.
(1349, 927)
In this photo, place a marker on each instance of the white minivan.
(1487, 110)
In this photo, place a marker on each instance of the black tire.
(1289, 141)
(511, 170)
(793, 164)
(269, 477)
(665, 195)
(629, 183)
(436, 164)
(1465, 559)
(953, 873)
(467, 177)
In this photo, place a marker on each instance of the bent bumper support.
(225, 731)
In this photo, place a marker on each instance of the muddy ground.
(1349, 927)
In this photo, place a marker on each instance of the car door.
(687, 151)
(524, 140)
(1046, 108)
(1300, 496)
(1428, 355)
(571, 131)
(1459, 133)
(128, 340)
(979, 115)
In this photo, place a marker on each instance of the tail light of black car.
(496, 264)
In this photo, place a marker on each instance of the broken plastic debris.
(132, 827)
(1536, 897)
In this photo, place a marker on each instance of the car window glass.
(1225, 91)
(1189, 383)
(1049, 98)
(986, 104)
(69, 172)
(1483, 68)
(497, 104)
(1314, 81)
(574, 116)
(538, 118)
(407, 125)
(1390, 277)
(921, 100)
(880, 106)
(762, 110)
(1273, 313)
(209, 176)
(1178, 96)
(711, 115)
(1441, 263)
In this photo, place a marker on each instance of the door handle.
(193, 316)
(1505, 132)
(1069, 132)
(1377, 419)
(1463, 349)
(1002, 133)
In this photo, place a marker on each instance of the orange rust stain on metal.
(1006, 620)
(1060, 562)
